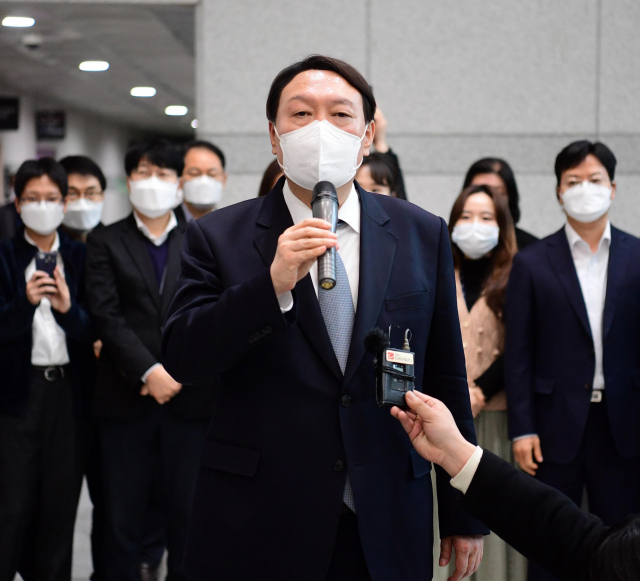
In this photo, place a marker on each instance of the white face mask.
(586, 202)
(318, 152)
(153, 197)
(203, 192)
(42, 217)
(475, 239)
(83, 214)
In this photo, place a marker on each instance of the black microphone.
(324, 204)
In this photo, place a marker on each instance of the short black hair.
(499, 167)
(159, 152)
(381, 170)
(36, 168)
(317, 62)
(84, 166)
(206, 145)
(617, 556)
(575, 153)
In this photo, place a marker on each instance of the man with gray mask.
(572, 348)
(203, 179)
(302, 475)
(151, 426)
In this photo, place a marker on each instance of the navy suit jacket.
(549, 353)
(16, 317)
(269, 492)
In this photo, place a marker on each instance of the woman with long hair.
(483, 242)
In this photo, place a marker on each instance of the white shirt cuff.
(463, 479)
(148, 373)
(525, 436)
(286, 301)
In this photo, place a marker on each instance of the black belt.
(52, 372)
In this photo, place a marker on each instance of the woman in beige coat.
(483, 244)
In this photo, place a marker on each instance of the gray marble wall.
(457, 81)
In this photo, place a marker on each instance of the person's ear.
(273, 138)
(613, 190)
(224, 179)
(64, 204)
(368, 138)
(180, 183)
(558, 195)
(129, 184)
(17, 204)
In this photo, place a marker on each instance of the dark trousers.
(348, 562)
(611, 481)
(158, 447)
(153, 543)
(40, 481)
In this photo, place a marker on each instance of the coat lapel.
(559, 255)
(134, 242)
(172, 270)
(619, 256)
(274, 219)
(377, 252)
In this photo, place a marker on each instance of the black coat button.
(346, 401)
(338, 466)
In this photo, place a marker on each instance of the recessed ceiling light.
(143, 92)
(94, 66)
(18, 21)
(194, 124)
(176, 110)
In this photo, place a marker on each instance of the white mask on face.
(318, 152)
(83, 214)
(203, 192)
(42, 217)
(586, 202)
(475, 239)
(153, 197)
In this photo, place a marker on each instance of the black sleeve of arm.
(129, 353)
(397, 173)
(492, 380)
(205, 317)
(535, 519)
(445, 378)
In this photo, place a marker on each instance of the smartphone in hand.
(46, 262)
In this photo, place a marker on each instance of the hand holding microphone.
(300, 246)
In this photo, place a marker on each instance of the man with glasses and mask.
(572, 356)
(47, 364)
(151, 427)
(86, 195)
(302, 475)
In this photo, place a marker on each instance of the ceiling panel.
(145, 45)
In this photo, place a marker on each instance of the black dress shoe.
(148, 572)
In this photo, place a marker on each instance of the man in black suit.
(573, 346)
(9, 221)
(302, 475)
(151, 427)
(48, 367)
(537, 520)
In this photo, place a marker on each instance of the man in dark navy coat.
(302, 475)
(573, 346)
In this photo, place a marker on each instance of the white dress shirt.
(49, 339)
(592, 270)
(463, 479)
(157, 241)
(161, 239)
(348, 239)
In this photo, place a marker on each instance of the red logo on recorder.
(390, 355)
